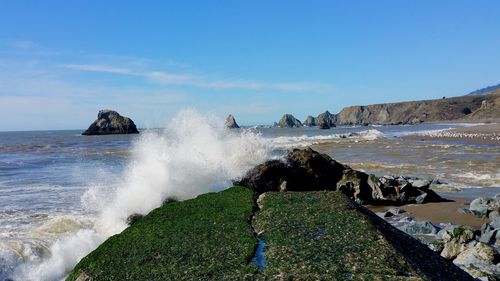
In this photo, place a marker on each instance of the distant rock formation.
(310, 121)
(325, 120)
(482, 105)
(289, 121)
(231, 122)
(414, 111)
(109, 122)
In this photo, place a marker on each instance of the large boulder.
(483, 206)
(289, 121)
(302, 170)
(479, 261)
(456, 241)
(109, 122)
(231, 122)
(307, 170)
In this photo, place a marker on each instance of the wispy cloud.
(98, 68)
(169, 78)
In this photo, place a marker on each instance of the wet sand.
(444, 212)
(481, 134)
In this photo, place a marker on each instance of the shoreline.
(480, 134)
(437, 213)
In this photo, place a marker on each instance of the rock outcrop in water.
(109, 122)
(310, 121)
(325, 120)
(231, 122)
(308, 170)
(289, 121)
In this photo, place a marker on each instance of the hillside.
(487, 90)
(471, 107)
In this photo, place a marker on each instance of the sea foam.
(195, 154)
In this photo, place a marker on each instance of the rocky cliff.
(475, 107)
(110, 122)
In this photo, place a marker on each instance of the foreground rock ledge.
(321, 235)
(110, 122)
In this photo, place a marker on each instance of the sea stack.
(326, 120)
(289, 121)
(231, 122)
(310, 121)
(110, 122)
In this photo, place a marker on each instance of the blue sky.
(62, 61)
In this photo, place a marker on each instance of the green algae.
(208, 237)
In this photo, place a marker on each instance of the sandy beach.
(444, 212)
(482, 134)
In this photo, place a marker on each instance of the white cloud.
(169, 78)
(98, 68)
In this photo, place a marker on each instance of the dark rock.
(418, 228)
(289, 121)
(326, 119)
(391, 213)
(324, 126)
(310, 121)
(169, 200)
(134, 218)
(307, 170)
(231, 122)
(110, 122)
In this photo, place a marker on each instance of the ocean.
(62, 194)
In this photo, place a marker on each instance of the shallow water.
(60, 191)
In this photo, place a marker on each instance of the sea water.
(62, 194)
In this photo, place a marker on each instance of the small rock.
(421, 183)
(419, 227)
(134, 218)
(231, 122)
(396, 211)
(479, 206)
(260, 200)
(283, 186)
(421, 198)
(436, 246)
(84, 277)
